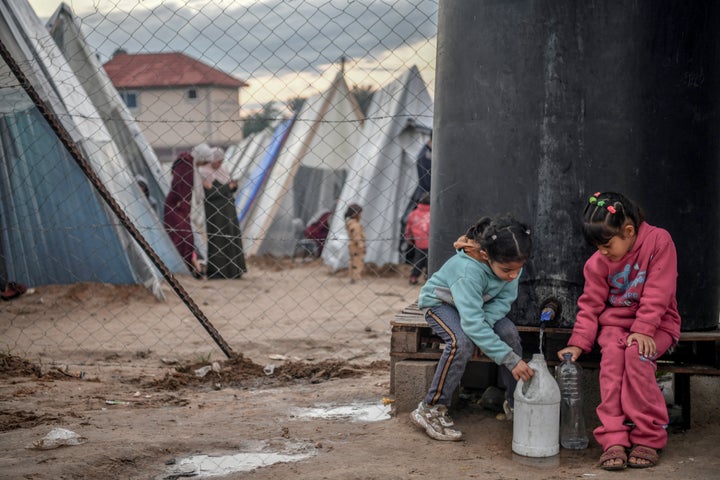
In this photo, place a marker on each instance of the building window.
(192, 94)
(130, 99)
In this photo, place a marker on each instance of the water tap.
(550, 309)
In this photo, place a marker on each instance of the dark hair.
(605, 215)
(425, 198)
(504, 239)
(352, 210)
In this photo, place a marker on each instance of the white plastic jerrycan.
(536, 420)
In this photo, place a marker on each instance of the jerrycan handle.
(542, 387)
(528, 390)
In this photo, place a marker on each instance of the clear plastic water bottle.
(572, 420)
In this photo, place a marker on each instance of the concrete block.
(412, 381)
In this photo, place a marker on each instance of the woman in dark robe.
(176, 216)
(225, 251)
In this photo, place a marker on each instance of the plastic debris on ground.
(58, 437)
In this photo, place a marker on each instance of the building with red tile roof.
(177, 100)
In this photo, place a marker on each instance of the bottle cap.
(567, 356)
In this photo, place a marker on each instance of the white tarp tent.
(55, 227)
(309, 173)
(382, 175)
(240, 158)
(66, 29)
(257, 172)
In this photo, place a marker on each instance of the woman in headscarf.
(176, 216)
(225, 257)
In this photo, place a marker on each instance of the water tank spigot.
(550, 309)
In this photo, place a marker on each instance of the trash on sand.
(116, 402)
(58, 437)
(269, 369)
(201, 372)
(66, 371)
(387, 401)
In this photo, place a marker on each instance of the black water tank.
(538, 104)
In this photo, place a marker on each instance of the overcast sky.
(283, 48)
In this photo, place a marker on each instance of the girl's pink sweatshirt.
(636, 292)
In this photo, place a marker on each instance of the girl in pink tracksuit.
(629, 306)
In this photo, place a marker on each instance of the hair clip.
(493, 236)
(602, 203)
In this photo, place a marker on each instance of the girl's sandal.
(642, 452)
(614, 453)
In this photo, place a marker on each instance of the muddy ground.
(146, 414)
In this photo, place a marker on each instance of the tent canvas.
(248, 193)
(383, 175)
(309, 172)
(239, 158)
(65, 28)
(137, 155)
(55, 227)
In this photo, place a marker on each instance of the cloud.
(266, 38)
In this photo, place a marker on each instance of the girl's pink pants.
(629, 392)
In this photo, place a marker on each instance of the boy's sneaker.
(436, 422)
(507, 413)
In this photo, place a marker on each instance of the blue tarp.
(249, 192)
(55, 229)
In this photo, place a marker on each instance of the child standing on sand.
(356, 235)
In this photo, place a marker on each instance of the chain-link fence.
(177, 178)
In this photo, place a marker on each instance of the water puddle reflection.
(203, 466)
(253, 454)
(356, 412)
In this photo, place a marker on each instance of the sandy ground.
(117, 368)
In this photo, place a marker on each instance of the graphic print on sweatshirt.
(624, 290)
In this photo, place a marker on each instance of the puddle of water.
(356, 412)
(203, 466)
